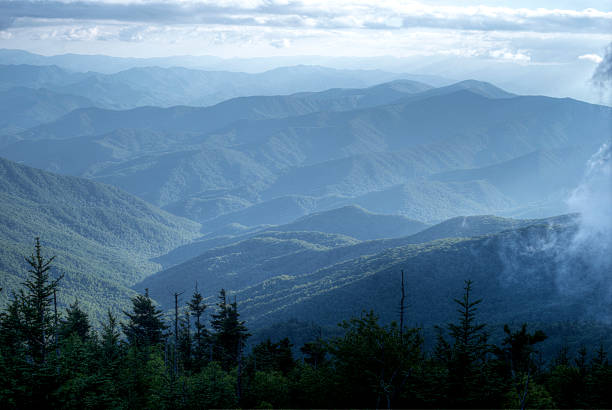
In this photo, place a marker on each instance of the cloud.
(603, 73)
(281, 43)
(339, 14)
(520, 56)
(591, 57)
(6, 21)
(586, 262)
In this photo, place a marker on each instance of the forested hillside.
(103, 237)
(275, 281)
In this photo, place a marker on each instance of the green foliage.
(102, 237)
(145, 326)
(230, 333)
(76, 322)
(201, 338)
(268, 389)
(212, 387)
(371, 364)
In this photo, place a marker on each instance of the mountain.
(224, 261)
(518, 276)
(481, 88)
(428, 156)
(96, 121)
(529, 177)
(349, 221)
(31, 76)
(243, 263)
(170, 86)
(102, 237)
(110, 65)
(22, 108)
(357, 223)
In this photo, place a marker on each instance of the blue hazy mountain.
(103, 237)
(22, 108)
(165, 87)
(96, 121)
(348, 222)
(417, 155)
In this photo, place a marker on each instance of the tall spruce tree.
(145, 326)
(36, 305)
(76, 322)
(466, 355)
(230, 332)
(201, 337)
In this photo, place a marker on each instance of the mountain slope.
(102, 237)
(166, 87)
(383, 158)
(517, 274)
(355, 222)
(224, 262)
(22, 108)
(96, 121)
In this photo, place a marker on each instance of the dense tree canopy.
(50, 360)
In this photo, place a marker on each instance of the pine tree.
(230, 333)
(201, 337)
(145, 326)
(35, 303)
(466, 355)
(76, 322)
(518, 354)
(109, 337)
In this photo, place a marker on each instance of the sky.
(536, 32)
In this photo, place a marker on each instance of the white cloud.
(591, 57)
(520, 56)
(281, 43)
(354, 14)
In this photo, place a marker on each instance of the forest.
(199, 359)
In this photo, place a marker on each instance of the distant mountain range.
(103, 237)
(22, 108)
(397, 148)
(165, 87)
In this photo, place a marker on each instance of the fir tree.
(230, 333)
(201, 337)
(145, 326)
(465, 357)
(35, 303)
(109, 337)
(76, 322)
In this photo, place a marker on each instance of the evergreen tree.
(109, 338)
(201, 337)
(145, 326)
(76, 322)
(466, 380)
(518, 353)
(28, 335)
(268, 356)
(35, 303)
(230, 332)
(374, 363)
(314, 352)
